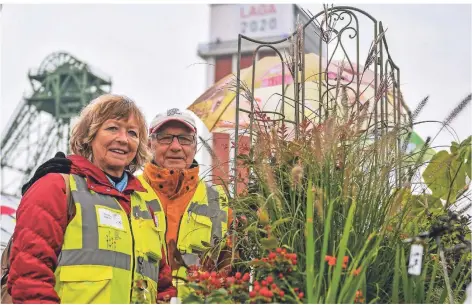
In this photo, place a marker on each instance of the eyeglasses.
(164, 138)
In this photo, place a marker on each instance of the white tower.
(264, 22)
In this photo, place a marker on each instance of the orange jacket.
(175, 189)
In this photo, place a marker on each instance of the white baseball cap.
(173, 114)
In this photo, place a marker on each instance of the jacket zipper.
(177, 247)
(132, 256)
(179, 184)
(178, 231)
(165, 238)
(180, 223)
(183, 215)
(177, 238)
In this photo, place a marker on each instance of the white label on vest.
(110, 218)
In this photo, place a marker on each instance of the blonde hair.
(106, 107)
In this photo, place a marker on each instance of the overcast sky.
(149, 50)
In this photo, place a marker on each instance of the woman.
(109, 249)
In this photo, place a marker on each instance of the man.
(196, 214)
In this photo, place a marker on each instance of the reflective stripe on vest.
(155, 205)
(212, 211)
(152, 201)
(191, 259)
(141, 214)
(209, 208)
(90, 254)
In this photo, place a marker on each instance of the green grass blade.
(452, 279)
(396, 278)
(405, 280)
(420, 285)
(334, 285)
(432, 282)
(310, 245)
(324, 250)
(344, 295)
(461, 282)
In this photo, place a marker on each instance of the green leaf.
(467, 155)
(253, 228)
(269, 243)
(193, 299)
(258, 264)
(467, 142)
(454, 147)
(220, 292)
(420, 202)
(194, 286)
(280, 221)
(445, 175)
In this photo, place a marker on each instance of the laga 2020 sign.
(265, 20)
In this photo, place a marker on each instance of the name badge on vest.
(110, 218)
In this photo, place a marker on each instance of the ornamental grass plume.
(337, 190)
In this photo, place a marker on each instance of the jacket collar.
(95, 176)
(172, 183)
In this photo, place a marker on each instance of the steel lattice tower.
(41, 123)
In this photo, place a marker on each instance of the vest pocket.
(199, 230)
(149, 241)
(85, 284)
(144, 292)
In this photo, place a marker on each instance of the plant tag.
(416, 259)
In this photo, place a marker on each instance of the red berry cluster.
(273, 288)
(359, 297)
(278, 257)
(266, 289)
(274, 277)
(208, 280)
(238, 279)
(332, 260)
(300, 294)
(237, 284)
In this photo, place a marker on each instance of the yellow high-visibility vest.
(108, 257)
(205, 220)
(154, 203)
